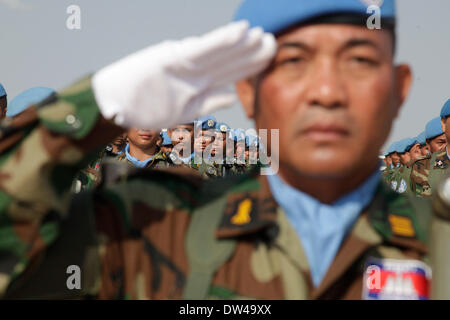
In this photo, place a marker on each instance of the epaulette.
(400, 219)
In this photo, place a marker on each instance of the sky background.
(37, 49)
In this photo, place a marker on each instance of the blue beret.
(407, 144)
(222, 127)
(421, 138)
(445, 111)
(391, 148)
(166, 139)
(433, 128)
(28, 98)
(238, 135)
(206, 122)
(275, 16)
(2, 91)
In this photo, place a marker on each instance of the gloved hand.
(177, 81)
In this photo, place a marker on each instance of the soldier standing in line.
(426, 172)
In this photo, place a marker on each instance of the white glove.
(177, 81)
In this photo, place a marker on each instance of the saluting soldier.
(316, 228)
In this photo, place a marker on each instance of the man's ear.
(246, 93)
(444, 124)
(403, 84)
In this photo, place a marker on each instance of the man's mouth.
(321, 132)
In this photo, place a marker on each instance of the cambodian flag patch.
(392, 279)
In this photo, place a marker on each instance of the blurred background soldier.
(143, 149)
(116, 148)
(400, 179)
(424, 148)
(204, 134)
(166, 144)
(182, 136)
(425, 173)
(436, 140)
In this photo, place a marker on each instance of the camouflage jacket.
(165, 234)
(159, 160)
(425, 173)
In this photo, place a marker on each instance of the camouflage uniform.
(154, 234)
(90, 176)
(159, 160)
(426, 172)
(400, 179)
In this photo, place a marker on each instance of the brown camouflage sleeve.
(41, 150)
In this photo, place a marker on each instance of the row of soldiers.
(415, 165)
(205, 145)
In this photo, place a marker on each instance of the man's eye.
(292, 60)
(365, 60)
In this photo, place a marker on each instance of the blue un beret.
(275, 16)
(421, 139)
(406, 144)
(222, 127)
(27, 99)
(445, 111)
(433, 128)
(2, 91)
(166, 141)
(391, 148)
(206, 122)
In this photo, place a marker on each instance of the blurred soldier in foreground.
(3, 102)
(426, 173)
(320, 227)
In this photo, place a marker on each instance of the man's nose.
(326, 86)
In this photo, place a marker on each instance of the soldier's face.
(240, 149)
(119, 143)
(425, 150)
(437, 144)
(183, 134)
(333, 92)
(219, 143)
(395, 159)
(388, 161)
(405, 158)
(166, 149)
(415, 152)
(203, 140)
(143, 138)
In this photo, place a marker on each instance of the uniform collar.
(136, 162)
(252, 209)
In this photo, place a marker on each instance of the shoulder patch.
(401, 226)
(242, 216)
